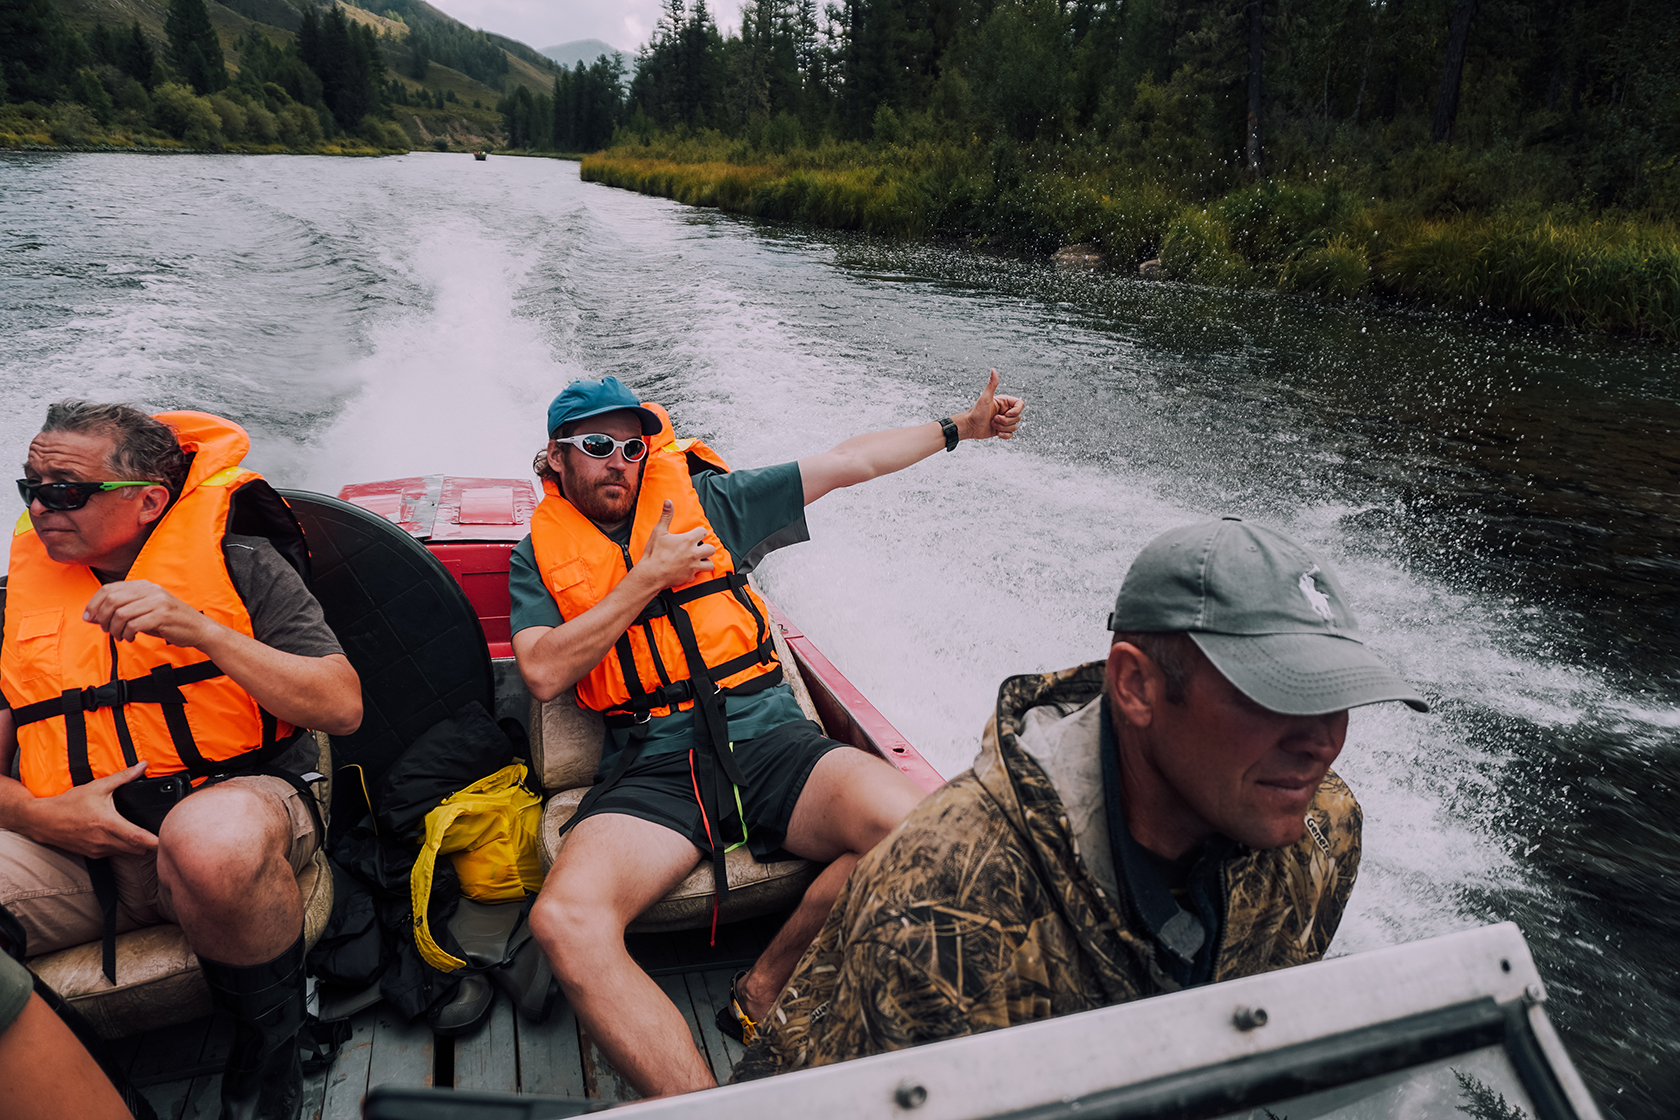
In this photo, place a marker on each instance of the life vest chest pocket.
(572, 574)
(37, 643)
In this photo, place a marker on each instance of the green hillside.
(113, 73)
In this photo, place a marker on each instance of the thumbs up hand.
(673, 559)
(993, 414)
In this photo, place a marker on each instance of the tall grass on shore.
(1316, 236)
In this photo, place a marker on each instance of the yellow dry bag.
(490, 831)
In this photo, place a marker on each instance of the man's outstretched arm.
(864, 457)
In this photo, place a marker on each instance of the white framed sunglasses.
(597, 445)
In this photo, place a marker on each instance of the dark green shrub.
(72, 125)
(1339, 269)
(189, 118)
(1197, 246)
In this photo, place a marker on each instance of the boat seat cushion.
(754, 888)
(159, 982)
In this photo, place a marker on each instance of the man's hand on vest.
(83, 820)
(133, 607)
(673, 559)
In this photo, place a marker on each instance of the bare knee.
(217, 843)
(573, 933)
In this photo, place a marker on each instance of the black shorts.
(776, 765)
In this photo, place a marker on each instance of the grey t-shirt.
(284, 615)
(753, 513)
(16, 986)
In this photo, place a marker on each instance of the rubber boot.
(264, 1076)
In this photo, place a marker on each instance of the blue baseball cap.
(587, 397)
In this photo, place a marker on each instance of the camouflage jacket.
(995, 902)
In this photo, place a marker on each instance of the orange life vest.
(86, 705)
(649, 671)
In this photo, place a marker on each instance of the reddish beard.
(591, 501)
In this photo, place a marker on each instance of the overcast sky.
(546, 23)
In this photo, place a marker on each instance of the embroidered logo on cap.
(1316, 599)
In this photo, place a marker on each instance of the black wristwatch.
(950, 429)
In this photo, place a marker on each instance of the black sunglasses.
(62, 496)
(598, 446)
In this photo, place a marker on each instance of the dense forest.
(1584, 93)
(321, 77)
(1344, 146)
(582, 113)
(327, 84)
(1514, 154)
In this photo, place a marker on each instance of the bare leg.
(613, 867)
(48, 1073)
(222, 864)
(850, 802)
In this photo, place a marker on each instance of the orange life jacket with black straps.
(715, 620)
(86, 705)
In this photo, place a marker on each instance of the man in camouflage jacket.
(1005, 898)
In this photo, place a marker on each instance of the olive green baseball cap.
(1269, 614)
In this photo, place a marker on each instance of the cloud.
(544, 23)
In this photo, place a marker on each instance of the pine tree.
(139, 60)
(38, 51)
(194, 49)
(346, 58)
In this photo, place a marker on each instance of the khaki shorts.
(47, 889)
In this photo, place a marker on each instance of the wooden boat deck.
(179, 1068)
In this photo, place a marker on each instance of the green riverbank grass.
(1604, 274)
(213, 124)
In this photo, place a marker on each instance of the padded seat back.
(405, 624)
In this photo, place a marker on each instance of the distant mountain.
(587, 51)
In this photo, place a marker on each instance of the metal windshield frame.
(1204, 1052)
(1189, 1055)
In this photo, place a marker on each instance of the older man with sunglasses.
(632, 588)
(149, 653)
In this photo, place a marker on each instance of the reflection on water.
(1501, 500)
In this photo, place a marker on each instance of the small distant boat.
(479, 154)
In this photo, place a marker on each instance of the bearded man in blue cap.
(632, 589)
(1162, 819)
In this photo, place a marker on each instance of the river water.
(1501, 499)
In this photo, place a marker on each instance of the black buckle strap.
(111, 694)
(716, 767)
(104, 879)
(635, 710)
(154, 688)
(730, 582)
(163, 681)
(710, 728)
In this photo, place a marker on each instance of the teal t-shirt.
(753, 512)
(16, 986)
